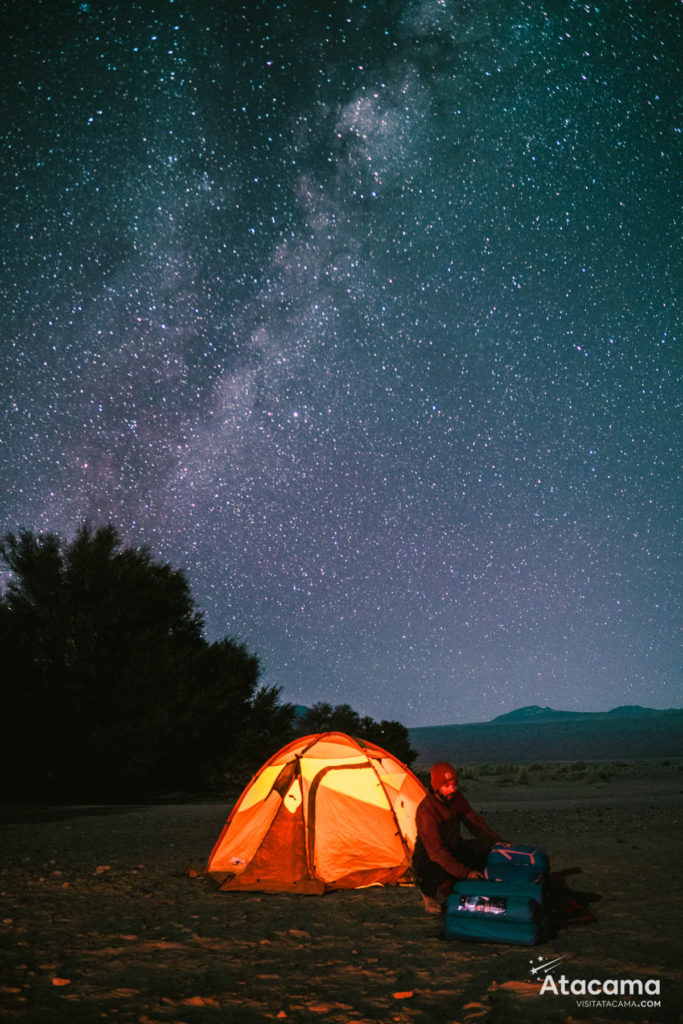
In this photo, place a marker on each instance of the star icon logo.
(542, 966)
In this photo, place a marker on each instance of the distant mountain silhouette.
(636, 709)
(533, 712)
(534, 733)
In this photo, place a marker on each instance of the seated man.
(441, 855)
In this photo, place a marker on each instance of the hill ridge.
(620, 734)
(534, 712)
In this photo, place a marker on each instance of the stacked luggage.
(509, 905)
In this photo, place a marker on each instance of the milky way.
(364, 315)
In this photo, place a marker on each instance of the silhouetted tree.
(109, 686)
(391, 735)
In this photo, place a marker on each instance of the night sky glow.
(363, 314)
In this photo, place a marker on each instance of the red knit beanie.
(442, 772)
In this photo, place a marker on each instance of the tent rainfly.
(326, 812)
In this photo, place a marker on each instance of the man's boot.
(432, 905)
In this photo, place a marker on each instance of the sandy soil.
(99, 920)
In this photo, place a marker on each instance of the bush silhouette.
(109, 688)
(391, 735)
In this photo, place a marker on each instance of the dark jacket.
(438, 832)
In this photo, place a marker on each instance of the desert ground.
(106, 915)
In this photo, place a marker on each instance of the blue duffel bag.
(504, 912)
(518, 863)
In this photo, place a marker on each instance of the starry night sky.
(364, 314)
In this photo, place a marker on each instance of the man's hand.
(474, 874)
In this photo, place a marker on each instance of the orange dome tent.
(325, 812)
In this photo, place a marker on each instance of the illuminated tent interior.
(326, 812)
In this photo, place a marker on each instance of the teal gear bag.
(513, 913)
(516, 863)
